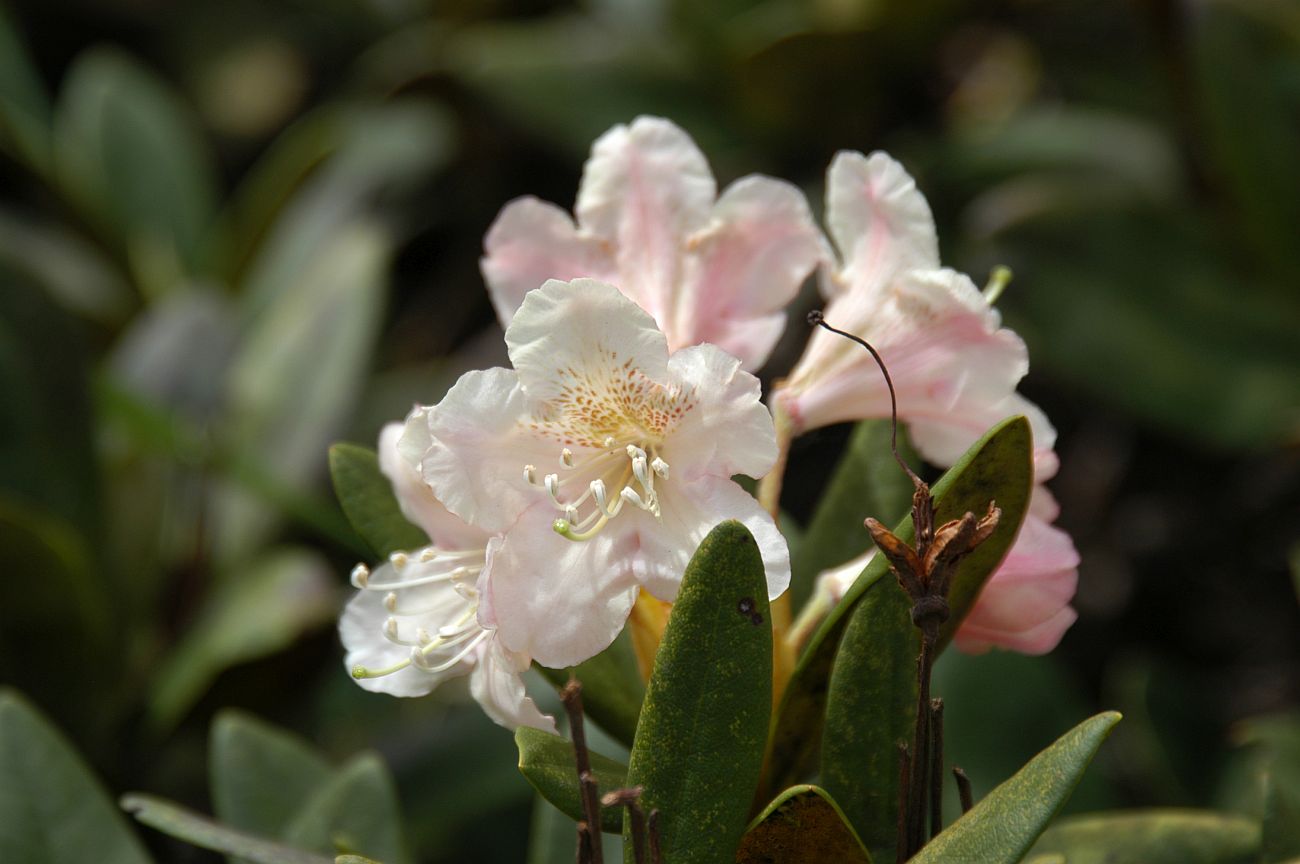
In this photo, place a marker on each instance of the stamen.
(530, 475)
(553, 488)
(360, 576)
(398, 560)
(428, 555)
(420, 660)
(660, 467)
(390, 601)
(566, 457)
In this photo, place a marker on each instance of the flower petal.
(558, 600)
(746, 264)
(473, 446)
(1025, 604)
(530, 242)
(689, 512)
(943, 440)
(644, 190)
(728, 430)
(879, 220)
(498, 686)
(583, 334)
(416, 498)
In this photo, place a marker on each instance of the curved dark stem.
(817, 319)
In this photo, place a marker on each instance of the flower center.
(432, 607)
(617, 474)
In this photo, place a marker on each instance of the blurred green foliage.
(231, 235)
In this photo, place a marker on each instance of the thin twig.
(652, 828)
(936, 767)
(631, 799)
(963, 789)
(901, 853)
(571, 695)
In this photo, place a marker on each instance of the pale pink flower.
(719, 271)
(601, 459)
(955, 370)
(415, 621)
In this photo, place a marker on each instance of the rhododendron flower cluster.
(555, 492)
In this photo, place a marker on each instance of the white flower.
(415, 620)
(719, 271)
(602, 460)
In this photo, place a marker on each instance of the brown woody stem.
(589, 847)
(936, 767)
(963, 789)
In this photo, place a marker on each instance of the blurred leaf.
(867, 482)
(1264, 781)
(699, 745)
(803, 825)
(549, 763)
(261, 776)
(1151, 837)
(74, 273)
(262, 611)
(552, 837)
(368, 501)
(871, 698)
(379, 148)
(177, 821)
(1132, 307)
(52, 809)
(356, 811)
(612, 689)
(1001, 828)
(1250, 127)
(996, 466)
(130, 153)
(24, 103)
(296, 376)
(46, 425)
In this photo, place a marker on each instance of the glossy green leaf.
(1151, 837)
(356, 811)
(1002, 827)
(549, 764)
(612, 689)
(128, 150)
(184, 824)
(996, 467)
(294, 380)
(261, 776)
(803, 825)
(24, 104)
(867, 482)
(52, 809)
(699, 745)
(264, 610)
(367, 499)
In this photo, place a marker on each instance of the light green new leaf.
(131, 154)
(24, 104)
(52, 809)
(698, 749)
(996, 467)
(295, 379)
(1151, 837)
(803, 825)
(867, 482)
(1002, 827)
(548, 762)
(271, 603)
(184, 824)
(367, 499)
(355, 812)
(612, 689)
(261, 776)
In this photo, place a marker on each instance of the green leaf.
(129, 151)
(24, 104)
(698, 749)
(295, 379)
(1001, 827)
(261, 776)
(52, 809)
(612, 689)
(1151, 837)
(177, 821)
(367, 499)
(871, 698)
(803, 825)
(548, 762)
(867, 482)
(996, 467)
(273, 601)
(355, 812)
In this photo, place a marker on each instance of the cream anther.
(360, 576)
(566, 457)
(398, 560)
(530, 475)
(660, 467)
(390, 601)
(428, 555)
